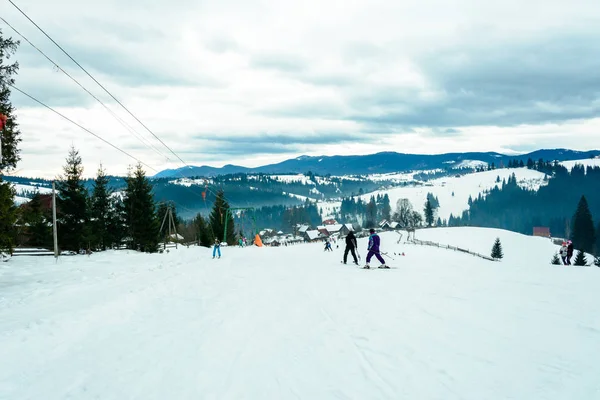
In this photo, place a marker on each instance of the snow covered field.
(292, 322)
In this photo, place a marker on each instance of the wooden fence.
(446, 246)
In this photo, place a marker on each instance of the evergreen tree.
(439, 222)
(140, 212)
(203, 231)
(580, 259)
(371, 213)
(10, 141)
(100, 205)
(117, 221)
(497, 250)
(428, 211)
(10, 134)
(555, 260)
(386, 209)
(221, 215)
(582, 231)
(72, 205)
(597, 249)
(8, 217)
(38, 223)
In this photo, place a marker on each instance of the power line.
(106, 90)
(94, 79)
(123, 123)
(80, 126)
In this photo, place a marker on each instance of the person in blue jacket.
(373, 248)
(217, 248)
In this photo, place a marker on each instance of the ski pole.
(386, 254)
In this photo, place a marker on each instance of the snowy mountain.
(378, 163)
(442, 325)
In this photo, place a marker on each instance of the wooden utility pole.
(55, 231)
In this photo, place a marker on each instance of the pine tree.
(203, 231)
(497, 250)
(10, 133)
(8, 217)
(38, 223)
(583, 232)
(10, 141)
(221, 215)
(555, 260)
(597, 249)
(580, 259)
(428, 211)
(100, 205)
(140, 212)
(72, 205)
(371, 213)
(386, 209)
(117, 221)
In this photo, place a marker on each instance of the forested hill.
(512, 207)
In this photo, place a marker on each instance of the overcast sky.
(256, 82)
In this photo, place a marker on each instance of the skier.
(373, 249)
(217, 248)
(563, 253)
(569, 251)
(350, 246)
(327, 245)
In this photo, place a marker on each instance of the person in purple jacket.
(373, 249)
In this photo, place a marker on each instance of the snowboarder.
(563, 253)
(373, 249)
(569, 251)
(350, 246)
(217, 248)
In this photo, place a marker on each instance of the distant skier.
(563, 253)
(351, 245)
(217, 248)
(373, 248)
(327, 245)
(569, 251)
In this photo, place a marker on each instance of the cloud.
(256, 82)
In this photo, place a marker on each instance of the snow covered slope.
(292, 322)
(452, 192)
(587, 162)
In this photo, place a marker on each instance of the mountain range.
(384, 162)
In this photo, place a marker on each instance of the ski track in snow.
(294, 323)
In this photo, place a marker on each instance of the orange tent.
(257, 241)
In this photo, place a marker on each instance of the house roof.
(334, 228)
(313, 234)
(303, 228)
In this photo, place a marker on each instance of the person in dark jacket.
(373, 248)
(569, 252)
(351, 245)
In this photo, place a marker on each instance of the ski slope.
(294, 323)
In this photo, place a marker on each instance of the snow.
(303, 179)
(21, 200)
(20, 188)
(463, 186)
(189, 182)
(443, 325)
(473, 164)
(586, 162)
